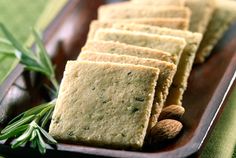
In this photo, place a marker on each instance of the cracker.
(126, 49)
(167, 72)
(179, 3)
(104, 104)
(223, 17)
(202, 11)
(173, 45)
(111, 12)
(186, 61)
(175, 23)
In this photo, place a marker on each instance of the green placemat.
(223, 138)
(20, 16)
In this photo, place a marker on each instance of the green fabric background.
(223, 138)
(22, 14)
(18, 17)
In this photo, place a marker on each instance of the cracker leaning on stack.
(210, 17)
(126, 87)
(222, 18)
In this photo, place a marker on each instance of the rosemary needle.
(38, 61)
(28, 126)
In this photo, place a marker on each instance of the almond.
(172, 112)
(165, 130)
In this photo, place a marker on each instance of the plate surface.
(204, 100)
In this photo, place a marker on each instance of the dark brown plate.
(209, 86)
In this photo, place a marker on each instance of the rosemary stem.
(28, 126)
(54, 83)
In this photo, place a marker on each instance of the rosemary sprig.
(28, 126)
(38, 61)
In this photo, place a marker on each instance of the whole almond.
(172, 112)
(165, 130)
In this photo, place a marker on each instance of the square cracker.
(186, 61)
(202, 11)
(179, 3)
(126, 49)
(167, 72)
(104, 104)
(170, 44)
(175, 23)
(111, 12)
(223, 17)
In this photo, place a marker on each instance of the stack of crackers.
(137, 60)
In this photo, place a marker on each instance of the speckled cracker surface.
(175, 23)
(173, 45)
(179, 3)
(126, 49)
(223, 17)
(95, 25)
(202, 11)
(200, 17)
(186, 61)
(110, 12)
(167, 72)
(104, 104)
